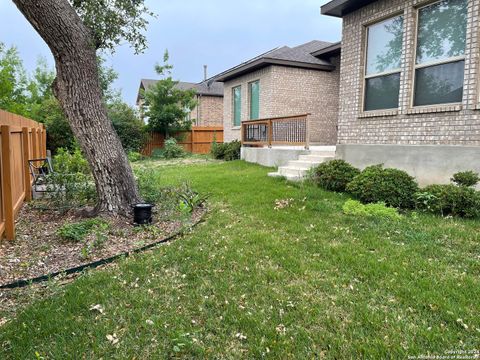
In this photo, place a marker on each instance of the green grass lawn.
(303, 281)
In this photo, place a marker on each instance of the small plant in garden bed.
(77, 232)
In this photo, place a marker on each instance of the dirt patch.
(39, 249)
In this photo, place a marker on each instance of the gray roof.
(205, 88)
(340, 8)
(298, 56)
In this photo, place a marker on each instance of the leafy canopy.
(167, 106)
(112, 21)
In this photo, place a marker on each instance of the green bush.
(226, 151)
(449, 200)
(334, 175)
(466, 178)
(392, 186)
(377, 210)
(77, 232)
(171, 149)
(134, 156)
(217, 150)
(66, 162)
(127, 124)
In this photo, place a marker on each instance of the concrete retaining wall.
(430, 164)
(270, 156)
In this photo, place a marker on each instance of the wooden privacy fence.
(198, 140)
(284, 130)
(21, 139)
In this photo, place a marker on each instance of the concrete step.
(292, 171)
(307, 164)
(315, 158)
(321, 153)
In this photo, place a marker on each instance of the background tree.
(74, 31)
(13, 81)
(128, 125)
(167, 107)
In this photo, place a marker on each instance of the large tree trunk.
(78, 90)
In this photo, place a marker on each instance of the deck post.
(270, 132)
(307, 132)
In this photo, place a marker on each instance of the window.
(237, 105)
(382, 71)
(440, 58)
(254, 90)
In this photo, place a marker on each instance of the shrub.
(71, 185)
(466, 178)
(449, 200)
(149, 185)
(217, 150)
(134, 156)
(226, 151)
(77, 232)
(232, 150)
(392, 186)
(378, 210)
(334, 175)
(172, 150)
(66, 162)
(128, 125)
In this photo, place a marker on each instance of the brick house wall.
(288, 91)
(209, 111)
(429, 125)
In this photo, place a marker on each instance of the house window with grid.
(440, 53)
(254, 90)
(383, 59)
(237, 105)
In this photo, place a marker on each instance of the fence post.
(7, 194)
(34, 144)
(44, 141)
(39, 142)
(193, 140)
(26, 167)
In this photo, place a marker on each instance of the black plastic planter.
(142, 214)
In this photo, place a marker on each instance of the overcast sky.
(219, 33)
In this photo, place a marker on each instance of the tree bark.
(77, 88)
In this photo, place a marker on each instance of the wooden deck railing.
(286, 130)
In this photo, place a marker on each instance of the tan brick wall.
(288, 91)
(454, 125)
(209, 111)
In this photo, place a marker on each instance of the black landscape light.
(142, 214)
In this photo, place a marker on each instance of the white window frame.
(384, 73)
(416, 66)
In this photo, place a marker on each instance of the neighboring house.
(209, 96)
(282, 82)
(409, 85)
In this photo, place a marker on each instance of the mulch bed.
(39, 250)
